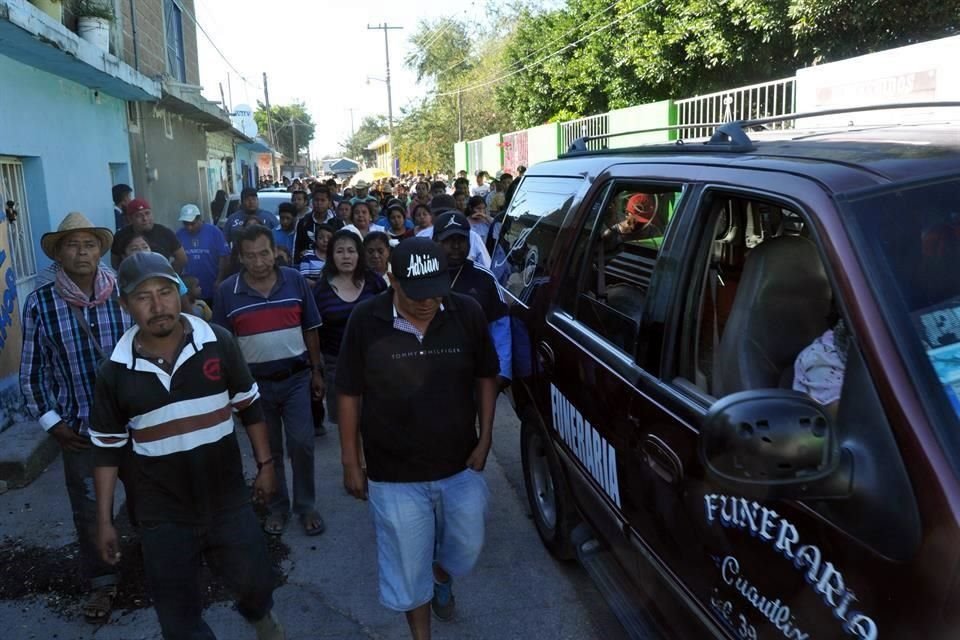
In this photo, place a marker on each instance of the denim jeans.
(418, 523)
(233, 547)
(286, 405)
(78, 473)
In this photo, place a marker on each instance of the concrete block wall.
(151, 38)
(543, 143)
(645, 116)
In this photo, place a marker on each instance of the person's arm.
(245, 399)
(485, 368)
(104, 484)
(312, 338)
(109, 436)
(503, 343)
(179, 260)
(348, 424)
(486, 389)
(350, 383)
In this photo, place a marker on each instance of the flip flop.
(312, 516)
(275, 524)
(98, 604)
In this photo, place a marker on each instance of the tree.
(288, 121)
(591, 56)
(370, 129)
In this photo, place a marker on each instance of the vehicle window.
(529, 229)
(761, 311)
(614, 259)
(909, 237)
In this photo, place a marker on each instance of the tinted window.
(525, 242)
(910, 237)
(614, 259)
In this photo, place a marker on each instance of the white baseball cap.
(189, 213)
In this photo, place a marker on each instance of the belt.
(280, 376)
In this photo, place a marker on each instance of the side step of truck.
(624, 599)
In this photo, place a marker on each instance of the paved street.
(517, 591)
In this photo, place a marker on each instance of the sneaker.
(268, 628)
(443, 600)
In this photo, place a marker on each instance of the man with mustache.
(69, 325)
(170, 388)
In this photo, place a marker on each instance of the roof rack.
(732, 136)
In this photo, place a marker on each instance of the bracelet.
(261, 465)
(319, 369)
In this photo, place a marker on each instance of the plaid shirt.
(59, 363)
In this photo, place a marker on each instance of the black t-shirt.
(419, 412)
(186, 454)
(480, 284)
(161, 240)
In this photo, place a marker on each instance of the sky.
(317, 51)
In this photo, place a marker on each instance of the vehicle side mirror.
(773, 443)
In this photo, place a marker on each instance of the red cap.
(136, 206)
(642, 206)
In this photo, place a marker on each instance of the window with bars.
(13, 190)
(173, 34)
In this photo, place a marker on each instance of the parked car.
(661, 297)
(269, 200)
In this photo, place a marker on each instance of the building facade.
(64, 141)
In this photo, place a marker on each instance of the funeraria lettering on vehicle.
(587, 444)
(767, 525)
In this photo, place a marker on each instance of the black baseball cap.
(140, 267)
(420, 266)
(450, 223)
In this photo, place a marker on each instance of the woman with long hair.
(422, 218)
(345, 282)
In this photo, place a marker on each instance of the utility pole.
(273, 139)
(353, 131)
(460, 115)
(223, 99)
(293, 123)
(386, 44)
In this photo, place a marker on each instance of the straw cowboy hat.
(74, 222)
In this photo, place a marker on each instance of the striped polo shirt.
(179, 423)
(269, 329)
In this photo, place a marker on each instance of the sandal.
(275, 524)
(318, 524)
(98, 604)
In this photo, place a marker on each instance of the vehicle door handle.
(545, 357)
(661, 459)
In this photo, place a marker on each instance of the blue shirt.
(285, 239)
(235, 222)
(269, 329)
(204, 250)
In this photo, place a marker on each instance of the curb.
(25, 451)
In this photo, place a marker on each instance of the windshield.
(910, 238)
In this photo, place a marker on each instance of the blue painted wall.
(67, 139)
(67, 142)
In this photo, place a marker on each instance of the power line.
(536, 51)
(547, 57)
(447, 23)
(213, 44)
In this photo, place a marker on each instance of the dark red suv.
(737, 367)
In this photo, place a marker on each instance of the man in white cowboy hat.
(70, 325)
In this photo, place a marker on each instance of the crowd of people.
(370, 309)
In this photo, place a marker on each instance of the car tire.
(550, 502)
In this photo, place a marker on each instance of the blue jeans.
(234, 548)
(418, 523)
(286, 405)
(78, 474)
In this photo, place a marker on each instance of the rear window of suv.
(909, 236)
(529, 230)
